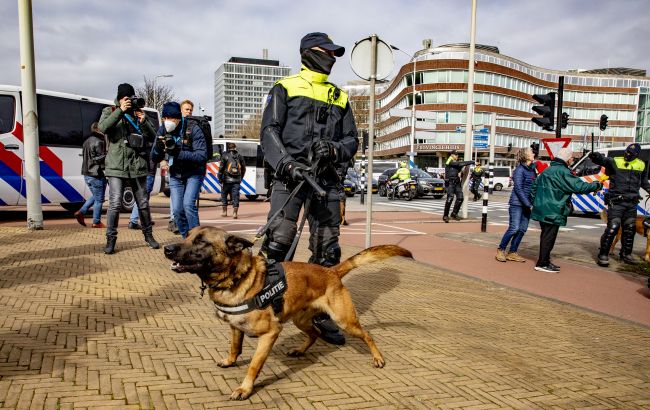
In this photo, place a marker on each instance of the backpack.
(204, 123)
(233, 166)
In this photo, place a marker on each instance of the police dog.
(225, 263)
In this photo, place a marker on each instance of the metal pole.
(487, 188)
(470, 105)
(363, 173)
(30, 116)
(154, 94)
(371, 135)
(412, 152)
(592, 141)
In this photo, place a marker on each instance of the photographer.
(184, 143)
(231, 172)
(308, 126)
(127, 131)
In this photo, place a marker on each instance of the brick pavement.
(81, 329)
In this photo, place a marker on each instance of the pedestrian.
(92, 168)
(127, 131)
(476, 177)
(231, 172)
(308, 122)
(343, 172)
(519, 207)
(187, 156)
(627, 175)
(551, 193)
(453, 168)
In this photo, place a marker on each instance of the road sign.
(481, 131)
(553, 145)
(480, 145)
(480, 137)
(360, 59)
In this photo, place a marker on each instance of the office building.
(240, 89)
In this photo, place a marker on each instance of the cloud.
(88, 48)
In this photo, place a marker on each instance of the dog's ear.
(235, 244)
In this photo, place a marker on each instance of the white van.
(584, 168)
(502, 178)
(252, 186)
(63, 121)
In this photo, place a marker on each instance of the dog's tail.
(373, 254)
(603, 215)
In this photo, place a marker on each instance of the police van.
(252, 186)
(63, 122)
(584, 168)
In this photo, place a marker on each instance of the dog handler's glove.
(325, 149)
(293, 170)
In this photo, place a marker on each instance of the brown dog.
(638, 224)
(225, 263)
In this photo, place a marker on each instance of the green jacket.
(552, 190)
(121, 160)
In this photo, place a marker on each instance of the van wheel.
(128, 200)
(72, 206)
(498, 187)
(252, 197)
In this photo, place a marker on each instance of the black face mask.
(317, 61)
(628, 157)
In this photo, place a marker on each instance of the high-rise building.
(240, 88)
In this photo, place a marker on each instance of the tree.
(250, 127)
(155, 93)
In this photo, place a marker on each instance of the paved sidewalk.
(85, 330)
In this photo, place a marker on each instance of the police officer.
(476, 176)
(453, 168)
(627, 174)
(308, 121)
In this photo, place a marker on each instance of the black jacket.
(453, 169)
(300, 110)
(229, 158)
(626, 178)
(94, 154)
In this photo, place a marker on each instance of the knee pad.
(274, 250)
(613, 226)
(332, 255)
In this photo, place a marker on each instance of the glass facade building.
(240, 88)
(504, 85)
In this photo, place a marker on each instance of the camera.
(137, 102)
(170, 143)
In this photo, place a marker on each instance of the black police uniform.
(454, 186)
(627, 175)
(300, 111)
(476, 176)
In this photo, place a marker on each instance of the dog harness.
(275, 284)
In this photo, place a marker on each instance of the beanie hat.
(171, 110)
(564, 154)
(124, 90)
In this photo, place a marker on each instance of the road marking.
(585, 226)
(563, 229)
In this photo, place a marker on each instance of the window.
(59, 122)
(7, 113)
(90, 112)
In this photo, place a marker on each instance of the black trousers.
(455, 188)
(546, 242)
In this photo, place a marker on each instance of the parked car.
(355, 177)
(426, 184)
(349, 187)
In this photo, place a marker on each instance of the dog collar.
(275, 284)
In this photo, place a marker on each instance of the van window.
(587, 167)
(501, 172)
(7, 113)
(59, 121)
(90, 112)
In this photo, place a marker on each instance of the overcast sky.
(88, 47)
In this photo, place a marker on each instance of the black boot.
(110, 245)
(445, 215)
(606, 243)
(627, 244)
(328, 330)
(147, 228)
(457, 204)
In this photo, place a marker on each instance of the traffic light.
(603, 122)
(564, 121)
(547, 110)
(535, 147)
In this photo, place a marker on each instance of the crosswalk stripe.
(586, 226)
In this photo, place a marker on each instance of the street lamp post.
(412, 151)
(154, 87)
(469, 130)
